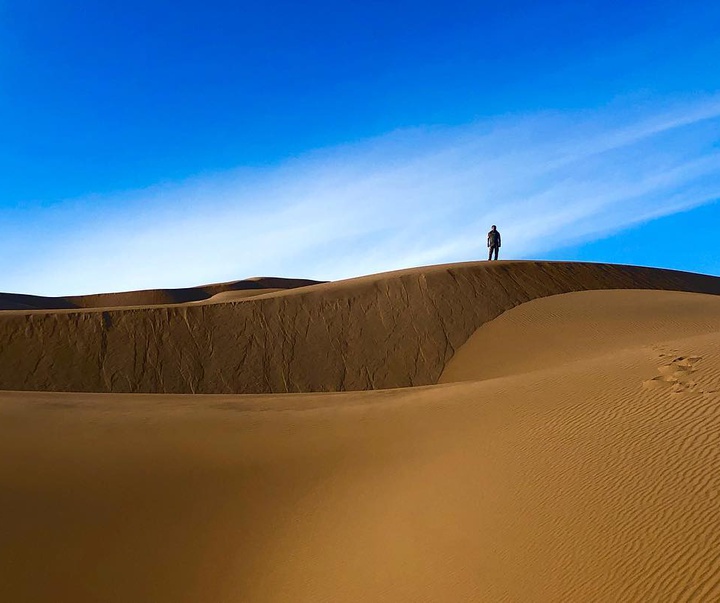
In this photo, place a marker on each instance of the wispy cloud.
(409, 198)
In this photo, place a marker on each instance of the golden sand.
(571, 452)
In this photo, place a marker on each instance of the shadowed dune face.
(390, 330)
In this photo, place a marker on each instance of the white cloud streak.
(409, 198)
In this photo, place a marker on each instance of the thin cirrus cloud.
(409, 198)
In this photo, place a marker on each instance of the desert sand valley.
(505, 431)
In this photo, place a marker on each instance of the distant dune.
(569, 453)
(152, 297)
(389, 330)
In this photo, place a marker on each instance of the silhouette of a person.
(494, 242)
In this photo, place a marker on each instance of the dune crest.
(389, 330)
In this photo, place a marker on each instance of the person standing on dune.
(494, 242)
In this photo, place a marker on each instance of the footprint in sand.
(676, 376)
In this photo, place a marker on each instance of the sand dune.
(152, 297)
(389, 330)
(566, 328)
(572, 454)
(231, 296)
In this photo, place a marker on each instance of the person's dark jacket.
(494, 239)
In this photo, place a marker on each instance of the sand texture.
(570, 453)
(384, 331)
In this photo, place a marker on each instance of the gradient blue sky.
(158, 143)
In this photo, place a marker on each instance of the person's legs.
(493, 250)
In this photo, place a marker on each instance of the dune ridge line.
(389, 330)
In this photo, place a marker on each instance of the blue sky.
(149, 144)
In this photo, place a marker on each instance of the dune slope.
(566, 328)
(389, 330)
(593, 476)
